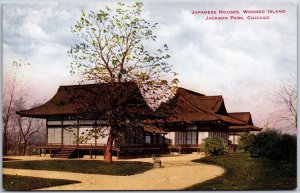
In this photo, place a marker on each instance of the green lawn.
(21, 183)
(83, 166)
(245, 173)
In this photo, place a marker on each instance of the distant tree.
(286, 96)
(15, 98)
(12, 89)
(26, 127)
(112, 49)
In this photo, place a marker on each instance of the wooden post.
(50, 152)
(118, 154)
(47, 131)
(197, 136)
(77, 132)
(40, 152)
(91, 152)
(77, 138)
(62, 132)
(95, 133)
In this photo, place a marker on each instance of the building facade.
(79, 116)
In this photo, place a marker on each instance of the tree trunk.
(109, 146)
(25, 146)
(5, 142)
(5, 137)
(19, 147)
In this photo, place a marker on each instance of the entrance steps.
(65, 152)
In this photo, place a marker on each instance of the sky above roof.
(244, 61)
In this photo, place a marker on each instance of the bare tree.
(27, 128)
(7, 111)
(287, 97)
(12, 88)
(16, 129)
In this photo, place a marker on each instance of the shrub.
(286, 149)
(214, 146)
(264, 144)
(245, 141)
(275, 146)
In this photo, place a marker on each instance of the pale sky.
(245, 61)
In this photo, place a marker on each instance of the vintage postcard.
(149, 96)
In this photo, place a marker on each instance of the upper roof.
(92, 100)
(244, 116)
(247, 119)
(190, 106)
(210, 103)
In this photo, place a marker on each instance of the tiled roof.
(189, 106)
(92, 100)
(208, 103)
(240, 128)
(231, 120)
(181, 110)
(244, 116)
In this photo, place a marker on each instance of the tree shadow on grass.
(245, 173)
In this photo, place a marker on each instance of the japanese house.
(75, 115)
(236, 130)
(194, 117)
(77, 111)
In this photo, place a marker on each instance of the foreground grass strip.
(19, 183)
(83, 166)
(245, 173)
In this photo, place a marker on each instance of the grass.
(83, 166)
(22, 183)
(245, 173)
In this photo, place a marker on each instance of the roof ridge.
(191, 91)
(92, 84)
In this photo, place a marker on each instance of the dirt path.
(177, 173)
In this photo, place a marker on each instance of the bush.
(214, 146)
(275, 146)
(286, 149)
(264, 144)
(245, 141)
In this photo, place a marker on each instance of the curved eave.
(243, 128)
(28, 113)
(231, 120)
